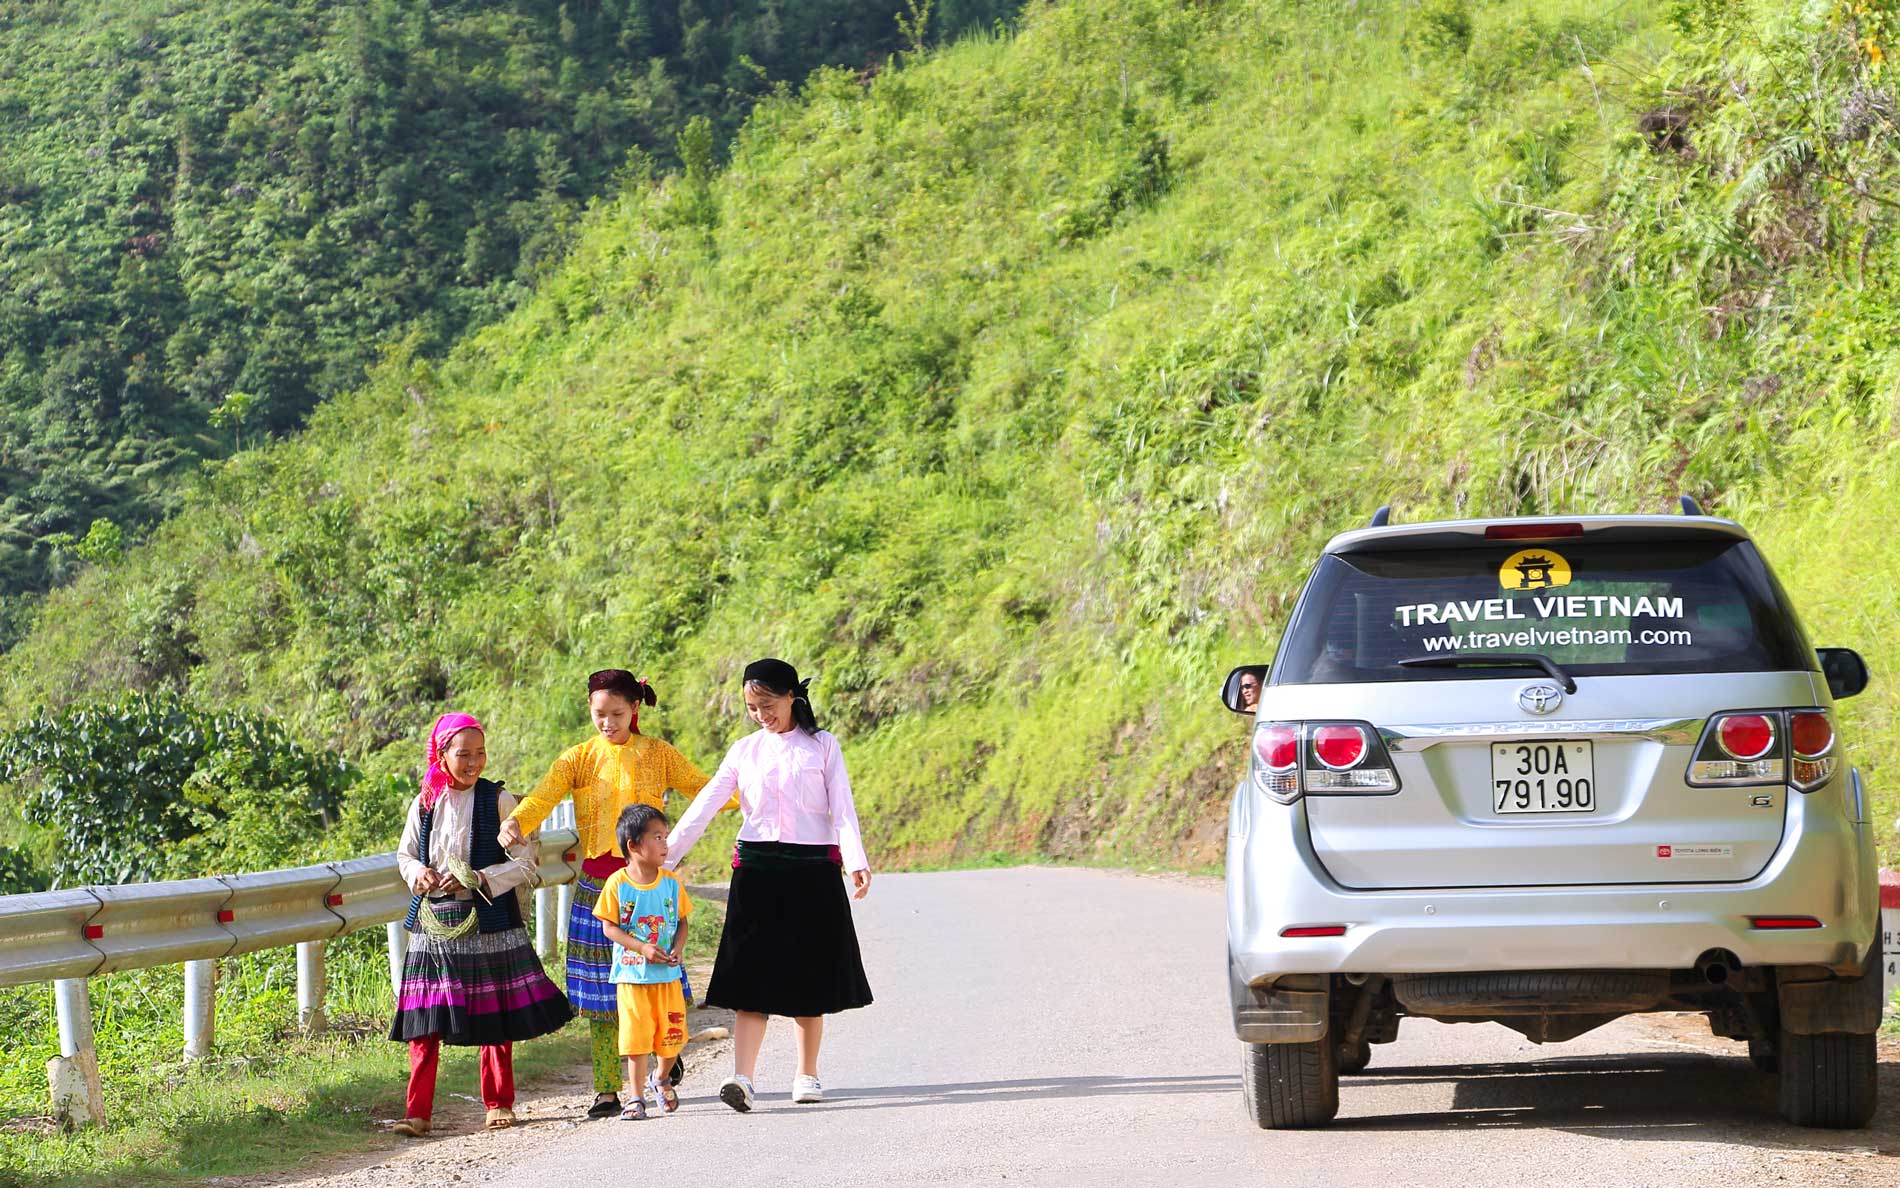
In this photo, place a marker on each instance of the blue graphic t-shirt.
(650, 913)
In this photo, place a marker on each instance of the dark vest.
(484, 850)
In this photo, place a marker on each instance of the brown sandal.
(411, 1127)
(500, 1119)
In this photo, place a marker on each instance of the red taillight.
(1277, 746)
(1783, 922)
(1339, 747)
(1810, 733)
(1295, 759)
(1532, 531)
(1309, 930)
(1746, 736)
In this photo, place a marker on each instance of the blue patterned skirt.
(590, 956)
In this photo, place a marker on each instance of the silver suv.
(1547, 772)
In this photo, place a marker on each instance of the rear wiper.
(1502, 659)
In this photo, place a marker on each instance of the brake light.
(1745, 736)
(1752, 747)
(1345, 758)
(1278, 745)
(1811, 738)
(1276, 754)
(1810, 733)
(1532, 531)
(1339, 747)
(1320, 758)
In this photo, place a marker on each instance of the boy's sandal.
(500, 1119)
(410, 1127)
(669, 1096)
(636, 1112)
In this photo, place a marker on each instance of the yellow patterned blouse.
(604, 779)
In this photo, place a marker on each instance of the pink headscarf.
(435, 779)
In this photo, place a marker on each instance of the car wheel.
(1827, 1081)
(1354, 1059)
(1761, 1054)
(1291, 1086)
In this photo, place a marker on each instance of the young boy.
(643, 911)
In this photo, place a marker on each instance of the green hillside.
(1011, 392)
(213, 214)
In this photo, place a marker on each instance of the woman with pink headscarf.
(470, 977)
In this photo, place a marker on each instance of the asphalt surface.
(1061, 1027)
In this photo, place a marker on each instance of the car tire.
(1291, 1086)
(1827, 1081)
(1355, 1058)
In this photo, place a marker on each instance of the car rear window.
(1671, 606)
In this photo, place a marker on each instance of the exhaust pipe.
(1717, 965)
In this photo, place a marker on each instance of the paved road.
(1064, 1027)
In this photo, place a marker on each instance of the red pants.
(498, 1076)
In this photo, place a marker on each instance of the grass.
(1011, 393)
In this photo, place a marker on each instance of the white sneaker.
(736, 1091)
(807, 1089)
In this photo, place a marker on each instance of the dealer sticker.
(1695, 851)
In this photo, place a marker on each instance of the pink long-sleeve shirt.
(792, 788)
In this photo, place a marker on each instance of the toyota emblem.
(1540, 698)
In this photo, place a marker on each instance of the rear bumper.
(1824, 868)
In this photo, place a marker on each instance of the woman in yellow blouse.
(615, 769)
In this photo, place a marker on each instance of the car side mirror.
(1845, 671)
(1240, 694)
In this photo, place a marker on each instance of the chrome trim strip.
(1860, 796)
(1670, 731)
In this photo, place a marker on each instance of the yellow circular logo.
(1534, 569)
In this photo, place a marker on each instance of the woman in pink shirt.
(788, 947)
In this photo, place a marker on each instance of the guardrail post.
(546, 926)
(398, 950)
(566, 900)
(201, 1008)
(310, 985)
(73, 1075)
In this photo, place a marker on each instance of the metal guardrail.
(66, 937)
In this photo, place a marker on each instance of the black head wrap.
(776, 675)
(780, 678)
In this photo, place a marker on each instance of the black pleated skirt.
(483, 988)
(788, 947)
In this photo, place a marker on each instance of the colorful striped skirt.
(590, 956)
(483, 988)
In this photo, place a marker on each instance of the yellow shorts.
(652, 1018)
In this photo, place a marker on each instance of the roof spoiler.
(1383, 516)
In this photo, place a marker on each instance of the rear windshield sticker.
(1534, 569)
(1556, 606)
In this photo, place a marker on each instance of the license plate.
(1543, 777)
